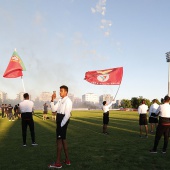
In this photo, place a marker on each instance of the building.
(20, 96)
(118, 103)
(77, 100)
(106, 97)
(91, 98)
(71, 96)
(45, 96)
(3, 96)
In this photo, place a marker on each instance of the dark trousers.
(2, 114)
(162, 130)
(29, 123)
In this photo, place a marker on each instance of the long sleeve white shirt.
(142, 109)
(153, 108)
(164, 110)
(26, 106)
(63, 106)
(106, 107)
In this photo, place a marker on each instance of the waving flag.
(15, 67)
(111, 76)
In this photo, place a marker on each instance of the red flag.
(14, 68)
(111, 76)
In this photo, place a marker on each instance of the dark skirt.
(106, 118)
(153, 120)
(143, 119)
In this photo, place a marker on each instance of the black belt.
(26, 112)
(26, 115)
(164, 121)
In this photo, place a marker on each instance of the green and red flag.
(15, 67)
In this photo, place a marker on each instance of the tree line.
(135, 102)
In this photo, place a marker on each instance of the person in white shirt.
(26, 108)
(142, 110)
(63, 108)
(106, 115)
(153, 118)
(163, 126)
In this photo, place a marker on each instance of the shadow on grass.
(88, 147)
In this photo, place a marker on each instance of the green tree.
(125, 103)
(148, 102)
(134, 102)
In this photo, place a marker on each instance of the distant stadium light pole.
(168, 60)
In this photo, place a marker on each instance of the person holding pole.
(142, 110)
(63, 108)
(106, 115)
(26, 108)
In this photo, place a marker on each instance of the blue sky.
(59, 40)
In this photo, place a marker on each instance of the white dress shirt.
(164, 110)
(153, 108)
(106, 107)
(26, 106)
(142, 109)
(63, 106)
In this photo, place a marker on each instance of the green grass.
(88, 147)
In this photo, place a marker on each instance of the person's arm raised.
(53, 106)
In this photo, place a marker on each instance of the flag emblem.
(104, 76)
(14, 58)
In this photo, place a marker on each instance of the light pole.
(168, 60)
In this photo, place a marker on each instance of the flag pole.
(116, 92)
(23, 84)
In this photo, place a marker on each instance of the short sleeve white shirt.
(142, 109)
(106, 107)
(26, 106)
(164, 110)
(153, 108)
(63, 106)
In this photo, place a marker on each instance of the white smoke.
(101, 9)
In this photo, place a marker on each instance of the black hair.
(64, 87)
(26, 95)
(104, 103)
(166, 98)
(154, 100)
(143, 101)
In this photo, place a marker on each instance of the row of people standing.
(153, 117)
(162, 125)
(7, 111)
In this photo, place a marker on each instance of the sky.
(59, 40)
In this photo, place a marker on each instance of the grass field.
(88, 147)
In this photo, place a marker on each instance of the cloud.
(107, 33)
(93, 10)
(105, 26)
(105, 23)
(100, 7)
